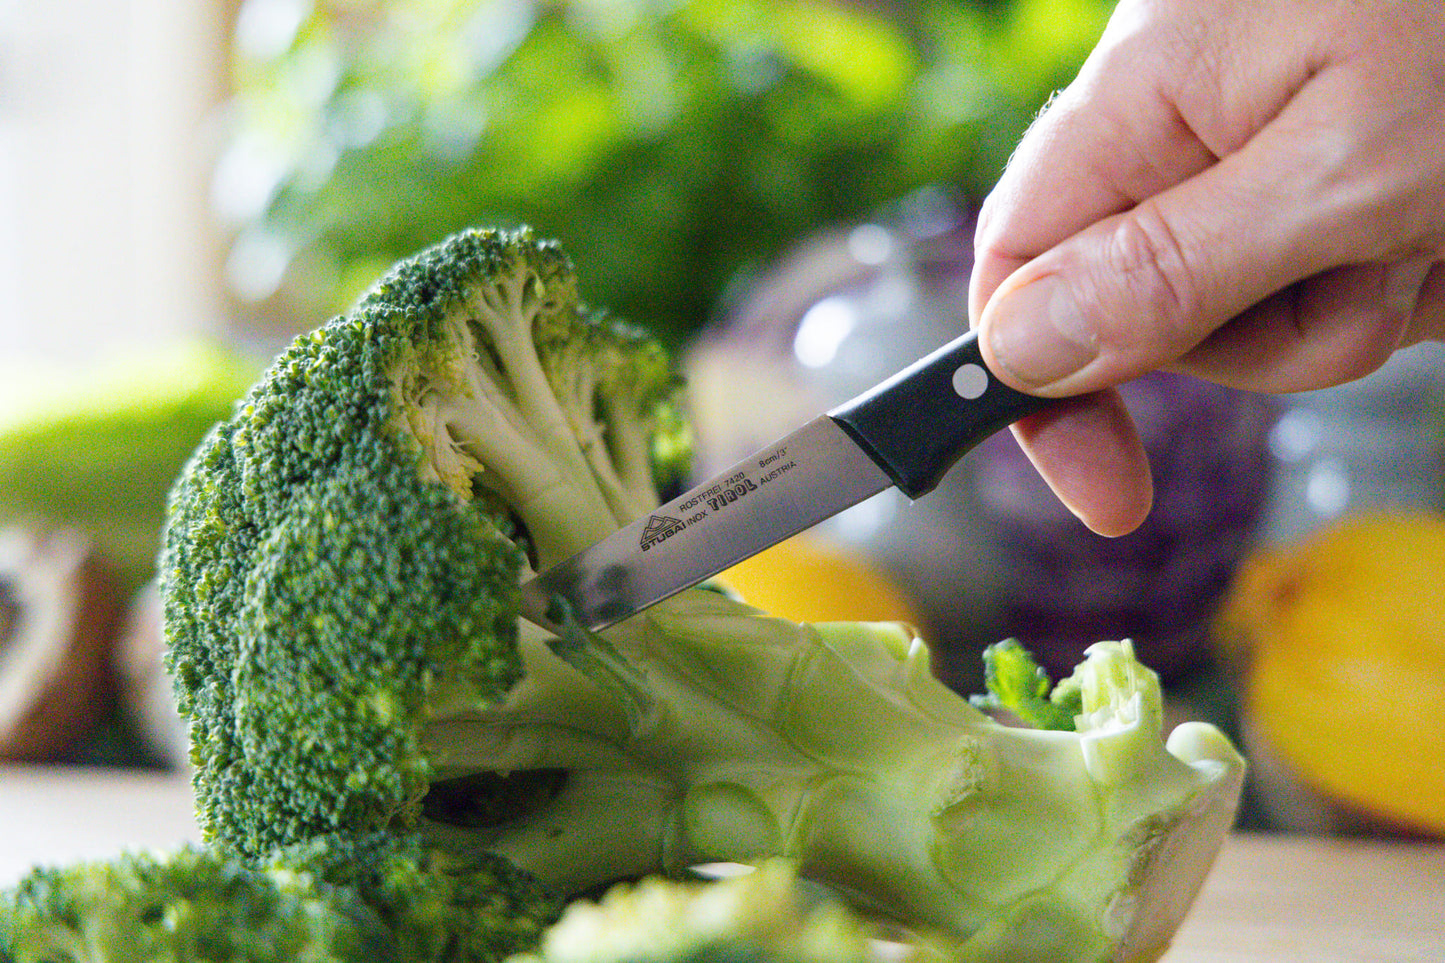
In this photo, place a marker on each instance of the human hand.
(1249, 193)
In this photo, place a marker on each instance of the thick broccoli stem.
(579, 396)
(628, 468)
(508, 313)
(552, 408)
(833, 745)
(497, 422)
(562, 511)
(602, 826)
(608, 389)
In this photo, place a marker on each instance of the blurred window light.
(1296, 435)
(105, 114)
(870, 244)
(257, 264)
(1328, 488)
(266, 28)
(9, 207)
(893, 295)
(822, 331)
(357, 119)
(246, 178)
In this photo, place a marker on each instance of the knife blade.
(906, 432)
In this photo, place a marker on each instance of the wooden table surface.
(1270, 898)
(1307, 900)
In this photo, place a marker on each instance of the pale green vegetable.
(99, 450)
(722, 734)
(767, 916)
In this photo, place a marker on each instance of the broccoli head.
(340, 583)
(368, 899)
(345, 549)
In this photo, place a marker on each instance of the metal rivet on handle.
(970, 381)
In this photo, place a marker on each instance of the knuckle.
(1148, 263)
(988, 226)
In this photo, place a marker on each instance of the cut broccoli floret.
(436, 907)
(186, 906)
(371, 899)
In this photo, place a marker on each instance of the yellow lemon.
(808, 578)
(1344, 637)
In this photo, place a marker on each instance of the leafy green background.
(672, 146)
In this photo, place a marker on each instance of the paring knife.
(905, 432)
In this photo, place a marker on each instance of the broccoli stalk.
(833, 745)
(340, 581)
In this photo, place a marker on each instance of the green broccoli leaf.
(1019, 685)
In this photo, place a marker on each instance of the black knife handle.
(921, 421)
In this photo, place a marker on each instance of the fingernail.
(1038, 334)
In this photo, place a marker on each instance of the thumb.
(1140, 289)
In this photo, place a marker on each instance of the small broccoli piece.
(765, 916)
(437, 907)
(377, 898)
(185, 906)
(342, 555)
(1019, 685)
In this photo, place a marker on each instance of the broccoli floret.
(436, 906)
(185, 906)
(340, 583)
(342, 555)
(765, 916)
(376, 898)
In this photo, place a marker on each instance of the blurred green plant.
(669, 145)
(99, 450)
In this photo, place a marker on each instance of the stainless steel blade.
(786, 488)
